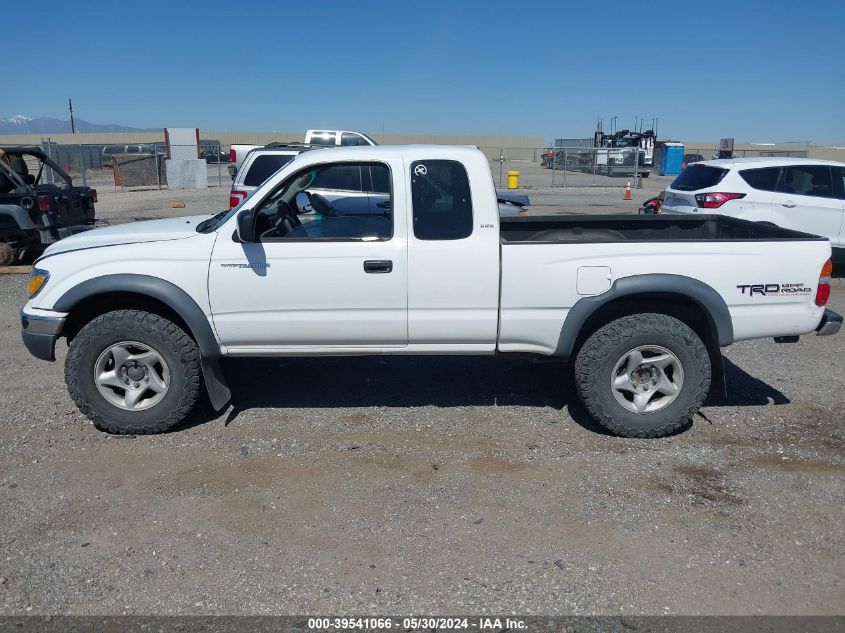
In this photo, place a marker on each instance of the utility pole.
(70, 109)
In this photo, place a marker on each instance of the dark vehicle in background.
(212, 152)
(112, 151)
(35, 213)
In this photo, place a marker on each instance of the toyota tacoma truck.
(640, 304)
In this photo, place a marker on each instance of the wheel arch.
(97, 296)
(689, 300)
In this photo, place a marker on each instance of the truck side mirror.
(246, 226)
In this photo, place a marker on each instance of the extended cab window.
(297, 210)
(808, 180)
(440, 195)
(765, 179)
(263, 167)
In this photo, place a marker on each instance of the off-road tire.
(596, 359)
(177, 348)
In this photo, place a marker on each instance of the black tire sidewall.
(129, 420)
(683, 343)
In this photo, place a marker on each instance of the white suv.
(804, 194)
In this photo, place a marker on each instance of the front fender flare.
(177, 300)
(708, 299)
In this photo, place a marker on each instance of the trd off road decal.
(774, 290)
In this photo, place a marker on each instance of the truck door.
(330, 281)
(453, 260)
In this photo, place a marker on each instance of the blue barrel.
(671, 159)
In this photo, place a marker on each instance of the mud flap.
(215, 383)
(718, 383)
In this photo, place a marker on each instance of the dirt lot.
(424, 485)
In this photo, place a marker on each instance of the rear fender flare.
(708, 299)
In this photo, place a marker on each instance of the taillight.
(232, 156)
(715, 200)
(93, 193)
(235, 198)
(44, 203)
(823, 289)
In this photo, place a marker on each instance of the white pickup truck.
(642, 304)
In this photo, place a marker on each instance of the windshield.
(211, 224)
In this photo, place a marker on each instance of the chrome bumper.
(830, 323)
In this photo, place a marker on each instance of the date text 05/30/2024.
(414, 623)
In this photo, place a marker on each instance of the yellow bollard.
(513, 180)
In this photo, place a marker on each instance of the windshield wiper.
(206, 226)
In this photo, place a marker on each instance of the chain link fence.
(569, 166)
(128, 166)
(141, 165)
(695, 154)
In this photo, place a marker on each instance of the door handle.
(376, 266)
(789, 204)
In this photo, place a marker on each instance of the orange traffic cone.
(627, 191)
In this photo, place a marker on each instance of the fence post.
(82, 165)
(565, 156)
(219, 176)
(157, 167)
(636, 165)
(501, 164)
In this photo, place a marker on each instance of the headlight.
(37, 280)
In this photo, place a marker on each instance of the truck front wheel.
(644, 375)
(133, 372)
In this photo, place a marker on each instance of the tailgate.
(74, 206)
(679, 202)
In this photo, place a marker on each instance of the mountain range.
(21, 124)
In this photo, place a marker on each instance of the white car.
(804, 194)
(642, 304)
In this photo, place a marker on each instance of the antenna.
(70, 109)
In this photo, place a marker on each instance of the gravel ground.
(398, 485)
(331, 486)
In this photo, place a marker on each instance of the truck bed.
(580, 229)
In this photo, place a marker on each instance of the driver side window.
(322, 203)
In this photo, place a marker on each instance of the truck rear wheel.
(133, 372)
(644, 375)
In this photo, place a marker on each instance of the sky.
(765, 71)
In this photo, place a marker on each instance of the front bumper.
(40, 333)
(830, 323)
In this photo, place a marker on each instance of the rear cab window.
(323, 138)
(263, 167)
(697, 177)
(441, 200)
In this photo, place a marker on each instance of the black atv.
(35, 213)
